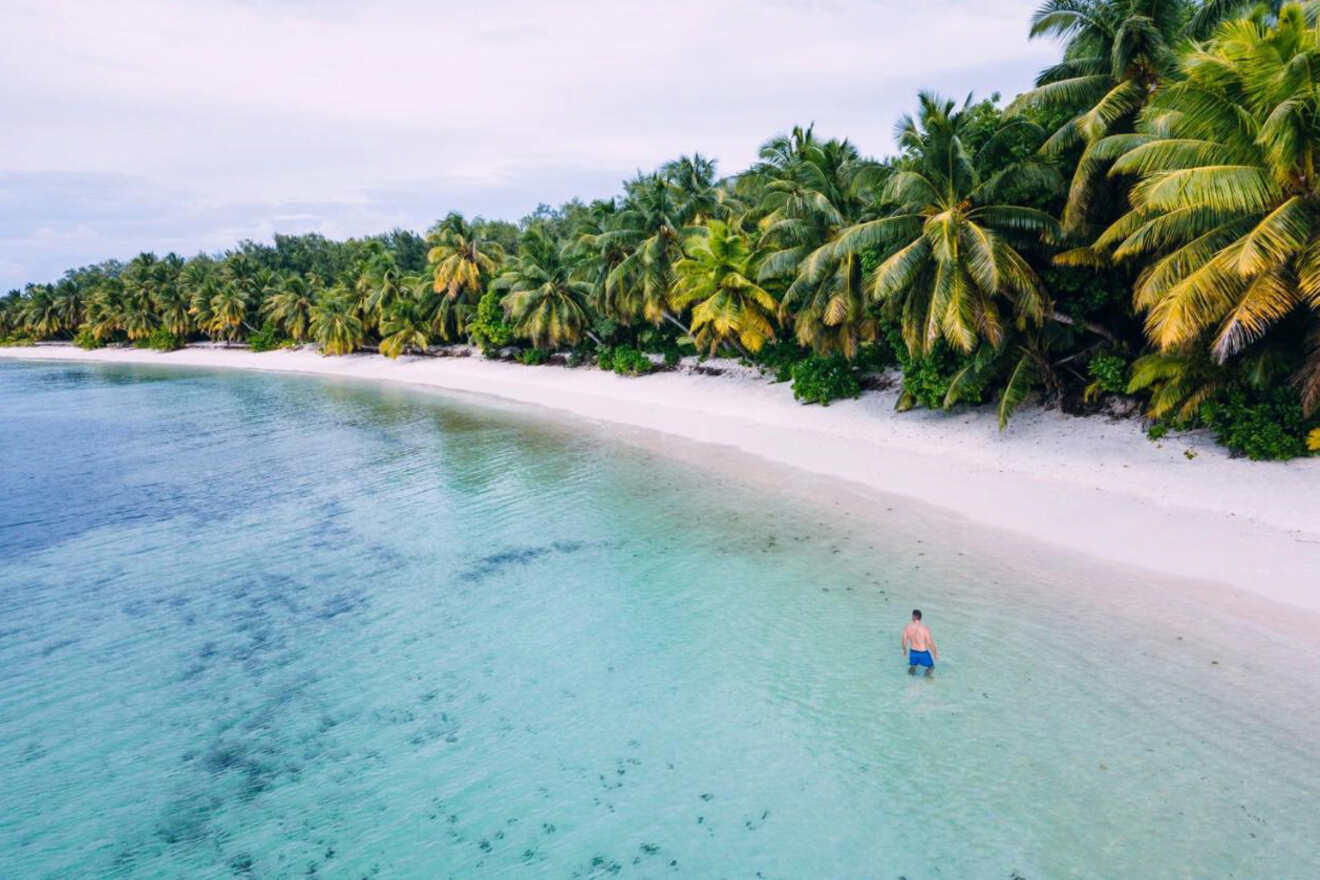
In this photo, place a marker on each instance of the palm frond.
(1025, 375)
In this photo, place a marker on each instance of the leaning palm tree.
(1228, 197)
(715, 279)
(1116, 53)
(953, 265)
(335, 323)
(545, 298)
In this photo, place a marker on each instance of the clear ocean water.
(260, 626)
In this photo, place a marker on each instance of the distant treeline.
(1145, 221)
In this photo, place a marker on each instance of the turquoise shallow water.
(254, 626)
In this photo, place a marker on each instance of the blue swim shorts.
(920, 658)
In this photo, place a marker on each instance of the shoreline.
(1089, 485)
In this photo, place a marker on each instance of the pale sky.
(136, 125)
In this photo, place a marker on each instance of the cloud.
(185, 122)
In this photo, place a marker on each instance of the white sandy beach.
(1090, 485)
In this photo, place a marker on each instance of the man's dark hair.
(916, 614)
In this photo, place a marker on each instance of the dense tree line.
(1144, 221)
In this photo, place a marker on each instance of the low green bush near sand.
(1263, 427)
(533, 356)
(779, 358)
(160, 339)
(822, 379)
(87, 340)
(1108, 374)
(488, 329)
(268, 338)
(624, 360)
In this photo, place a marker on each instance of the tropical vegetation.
(1142, 224)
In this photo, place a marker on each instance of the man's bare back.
(916, 637)
(919, 646)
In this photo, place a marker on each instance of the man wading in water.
(919, 646)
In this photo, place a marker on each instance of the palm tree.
(11, 319)
(812, 192)
(463, 260)
(1211, 13)
(599, 249)
(245, 276)
(290, 306)
(952, 261)
(197, 281)
(1116, 53)
(68, 295)
(692, 180)
(141, 279)
(41, 312)
(104, 308)
(335, 322)
(716, 279)
(405, 328)
(1228, 194)
(381, 285)
(227, 308)
(173, 307)
(545, 298)
(651, 228)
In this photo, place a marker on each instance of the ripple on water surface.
(267, 627)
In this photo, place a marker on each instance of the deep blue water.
(254, 626)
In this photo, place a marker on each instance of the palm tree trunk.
(1086, 325)
(733, 340)
(594, 338)
(677, 323)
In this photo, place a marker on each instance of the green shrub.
(488, 329)
(928, 376)
(1265, 427)
(875, 356)
(1157, 430)
(17, 341)
(533, 356)
(268, 338)
(822, 379)
(1108, 374)
(628, 361)
(605, 357)
(160, 339)
(87, 340)
(672, 356)
(780, 357)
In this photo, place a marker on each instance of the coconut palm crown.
(1228, 196)
(715, 278)
(952, 261)
(545, 297)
